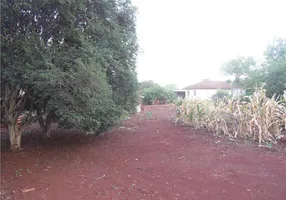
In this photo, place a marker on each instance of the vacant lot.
(146, 157)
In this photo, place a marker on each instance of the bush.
(259, 118)
(154, 93)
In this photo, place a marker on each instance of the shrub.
(154, 93)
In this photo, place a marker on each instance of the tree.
(147, 84)
(19, 47)
(272, 72)
(67, 61)
(72, 97)
(153, 91)
(171, 87)
(115, 37)
(238, 67)
(151, 94)
(276, 50)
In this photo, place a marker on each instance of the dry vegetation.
(254, 117)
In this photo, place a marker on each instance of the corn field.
(254, 117)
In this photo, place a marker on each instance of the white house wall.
(236, 92)
(208, 93)
(201, 93)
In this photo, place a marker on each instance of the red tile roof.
(208, 84)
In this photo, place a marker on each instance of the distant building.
(207, 88)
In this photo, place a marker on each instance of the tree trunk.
(15, 137)
(13, 108)
(46, 126)
(47, 131)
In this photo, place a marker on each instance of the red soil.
(147, 157)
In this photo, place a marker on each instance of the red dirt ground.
(146, 158)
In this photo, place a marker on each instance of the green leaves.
(74, 59)
(153, 92)
(238, 67)
(274, 72)
(276, 50)
(271, 73)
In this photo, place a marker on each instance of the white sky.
(185, 41)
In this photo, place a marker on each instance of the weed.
(18, 172)
(149, 115)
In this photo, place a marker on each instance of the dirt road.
(147, 157)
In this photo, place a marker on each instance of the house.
(207, 88)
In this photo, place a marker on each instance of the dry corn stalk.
(256, 117)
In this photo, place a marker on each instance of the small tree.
(170, 95)
(153, 93)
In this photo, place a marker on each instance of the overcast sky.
(185, 41)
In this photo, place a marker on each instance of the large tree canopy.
(238, 67)
(272, 72)
(67, 60)
(269, 73)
